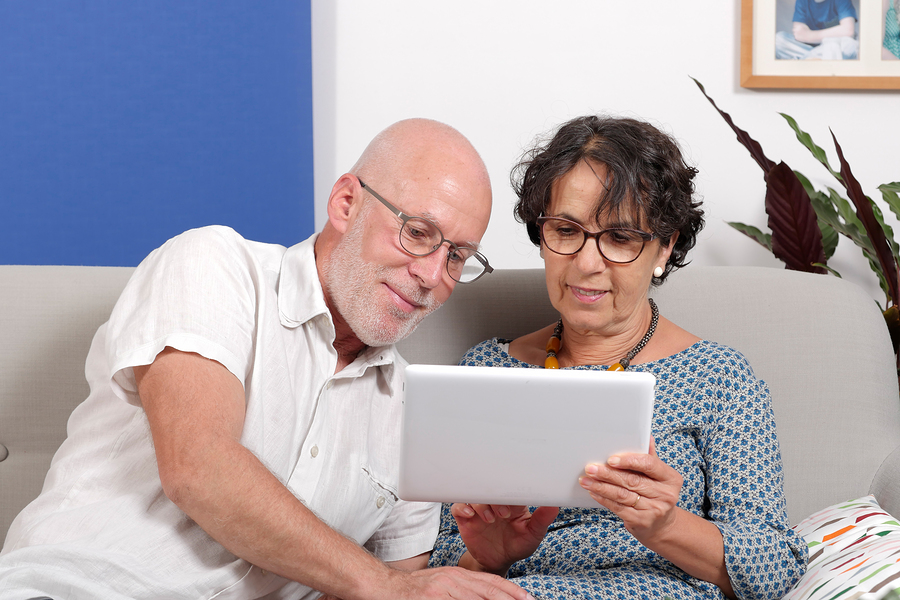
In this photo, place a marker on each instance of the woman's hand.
(640, 488)
(498, 536)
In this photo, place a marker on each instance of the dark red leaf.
(873, 228)
(796, 237)
(743, 137)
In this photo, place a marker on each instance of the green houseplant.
(805, 224)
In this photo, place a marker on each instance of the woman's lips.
(586, 294)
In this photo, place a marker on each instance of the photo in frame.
(820, 44)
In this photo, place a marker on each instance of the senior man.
(240, 438)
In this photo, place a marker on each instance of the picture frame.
(760, 69)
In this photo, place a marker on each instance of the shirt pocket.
(376, 501)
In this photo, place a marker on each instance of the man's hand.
(498, 536)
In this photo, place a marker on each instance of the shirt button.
(380, 502)
(314, 451)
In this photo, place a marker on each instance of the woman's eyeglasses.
(617, 244)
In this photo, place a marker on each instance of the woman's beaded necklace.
(553, 344)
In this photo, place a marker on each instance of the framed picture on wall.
(820, 44)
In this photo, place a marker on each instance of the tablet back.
(516, 436)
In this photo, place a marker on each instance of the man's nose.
(430, 269)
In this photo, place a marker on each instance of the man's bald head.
(412, 143)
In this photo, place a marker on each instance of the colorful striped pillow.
(854, 553)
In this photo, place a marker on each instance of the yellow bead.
(553, 344)
(551, 363)
(616, 367)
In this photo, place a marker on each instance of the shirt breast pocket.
(376, 501)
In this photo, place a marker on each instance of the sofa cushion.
(854, 552)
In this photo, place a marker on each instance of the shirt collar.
(300, 294)
(385, 358)
(301, 299)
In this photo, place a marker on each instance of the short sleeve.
(845, 9)
(410, 530)
(196, 293)
(801, 13)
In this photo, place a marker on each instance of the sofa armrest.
(886, 484)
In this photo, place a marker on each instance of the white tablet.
(521, 436)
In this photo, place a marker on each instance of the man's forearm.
(240, 504)
(255, 517)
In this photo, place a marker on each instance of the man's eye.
(460, 255)
(416, 233)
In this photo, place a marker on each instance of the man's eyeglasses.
(421, 237)
(617, 245)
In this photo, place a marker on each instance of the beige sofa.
(818, 341)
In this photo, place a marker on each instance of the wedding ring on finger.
(636, 500)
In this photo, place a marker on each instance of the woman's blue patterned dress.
(713, 423)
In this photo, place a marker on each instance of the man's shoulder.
(215, 243)
(219, 235)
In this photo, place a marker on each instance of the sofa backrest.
(48, 316)
(818, 341)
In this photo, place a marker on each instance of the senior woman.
(610, 202)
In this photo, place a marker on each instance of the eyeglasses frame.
(453, 245)
(646, 237)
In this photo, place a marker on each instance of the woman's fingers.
(487, 512)
(633, 480)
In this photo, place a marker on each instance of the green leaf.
(806, 139)
(806, 184)
(763, 239)
(839, 215)
(826, 214)
(830, 238)
(848, 223)
(829, 269)
(889, 192)
(888, 231)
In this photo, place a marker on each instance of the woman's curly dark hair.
(645, 172)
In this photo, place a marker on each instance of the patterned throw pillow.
(854, 553)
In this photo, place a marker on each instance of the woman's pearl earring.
(657, 272)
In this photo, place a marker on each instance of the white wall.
(504, 71)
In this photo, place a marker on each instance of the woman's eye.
(621, 237)
(566, 231)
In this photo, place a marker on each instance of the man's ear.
(344, 202)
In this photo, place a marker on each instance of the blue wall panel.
(125, 123)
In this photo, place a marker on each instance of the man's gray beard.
(348, 279)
